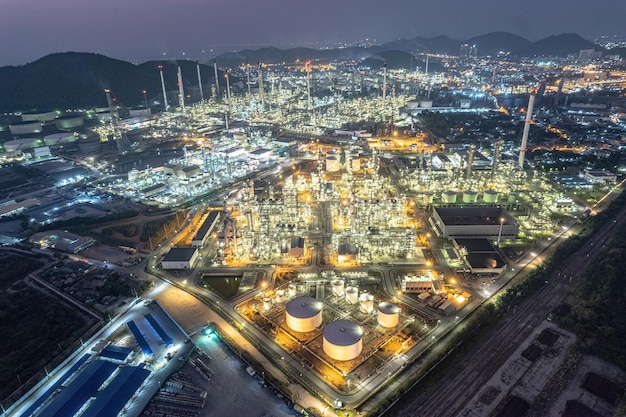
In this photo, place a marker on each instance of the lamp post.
(500, 230)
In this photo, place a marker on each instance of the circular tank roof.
(388, 308)
(343, 332)
(304, 307)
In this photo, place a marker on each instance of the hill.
(75, 80)
(495, 42)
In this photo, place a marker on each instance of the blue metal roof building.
(117, 353)
(141, 341)
(114, 397)
(56, 385)
(157, 328)
(75, 395)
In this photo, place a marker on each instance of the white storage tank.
(22, 144)
(490, 196)
(267, 303)
(470, 196)
(58, 138)
(428, 198)
(280, 296)
(338, 287)
(25, 128)
(388, 314)
(292, 290)
(343, 340)
(70, 121)
(304, 314)
(43, 116)
(513, 198)
(332, 162)
(366, 303)
(449, 196)
(352, 295)
(354, 159)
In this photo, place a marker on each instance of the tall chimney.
(529, 114)
(165, 106)
(217, 81)
(200, 82)
(181, 92)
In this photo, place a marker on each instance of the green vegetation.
(436, 123)
(159, 230)
(15, 267)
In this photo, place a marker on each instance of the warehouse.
(180, 258)
(492, 223)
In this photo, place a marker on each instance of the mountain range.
(77, 80)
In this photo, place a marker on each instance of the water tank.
(490, 196)
(280, 296)
(513, 198)
(304, 314)
(58, 138)
(267, 303)
(22, 144)
(470, 196)
(388, 314)
(449, 196)
(292, 290)
(428, 198)
(366, 302)
(89, 144)
(343, 340)
(338, 287)
(354, 159)
(352, 295)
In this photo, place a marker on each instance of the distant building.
(473, 222)
(480, 256)
(599, 176)
(204, 232)
(62, 240)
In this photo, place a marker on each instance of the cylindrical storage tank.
(57, 138)
(39, 116)
(140, 112)
(338, 287)
(352, 295)
(280, 296)
(22, 144)
(448, 196)
(470, 196)
(292, 290)
(426, 103)
(25, 128)
(70, 122)
(513, 198)
(490, 196)
(89, 144)
(267, 303)
(332, 163)
(343, 340)
(428, 198)
(304, 314)
(388, 314)
(104, 117)
(366, 302)
(355, 159)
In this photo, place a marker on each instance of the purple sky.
(138, 30)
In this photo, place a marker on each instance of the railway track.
(449, 396)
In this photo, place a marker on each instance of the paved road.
(448, 397)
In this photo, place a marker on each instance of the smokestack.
(308, 85)
(227, 89)
(470, 161)
(200, 82)
(426, 69)
(248, 75)
(181, 92)
(496, 157)
(493, 76)
(261, 85)
(529, 114)
(165, 106)
(385, 82)
(217, 81)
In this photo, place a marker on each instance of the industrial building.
(180, 258)
(303, 314)
(61, 240)
(480, 256)
(204, 232)
(475, 222)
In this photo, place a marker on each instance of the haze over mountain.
(77, 80)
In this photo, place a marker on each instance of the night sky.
(138, 30)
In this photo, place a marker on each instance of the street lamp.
(500, 231)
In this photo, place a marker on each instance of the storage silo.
(280, 296)
(303, 314)
(449, 196)
(343, 340)
(366, 302)
(338, 287)
(292, 290)
(388, 314)
(470, 196)
(352, 295)
(490, 196)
